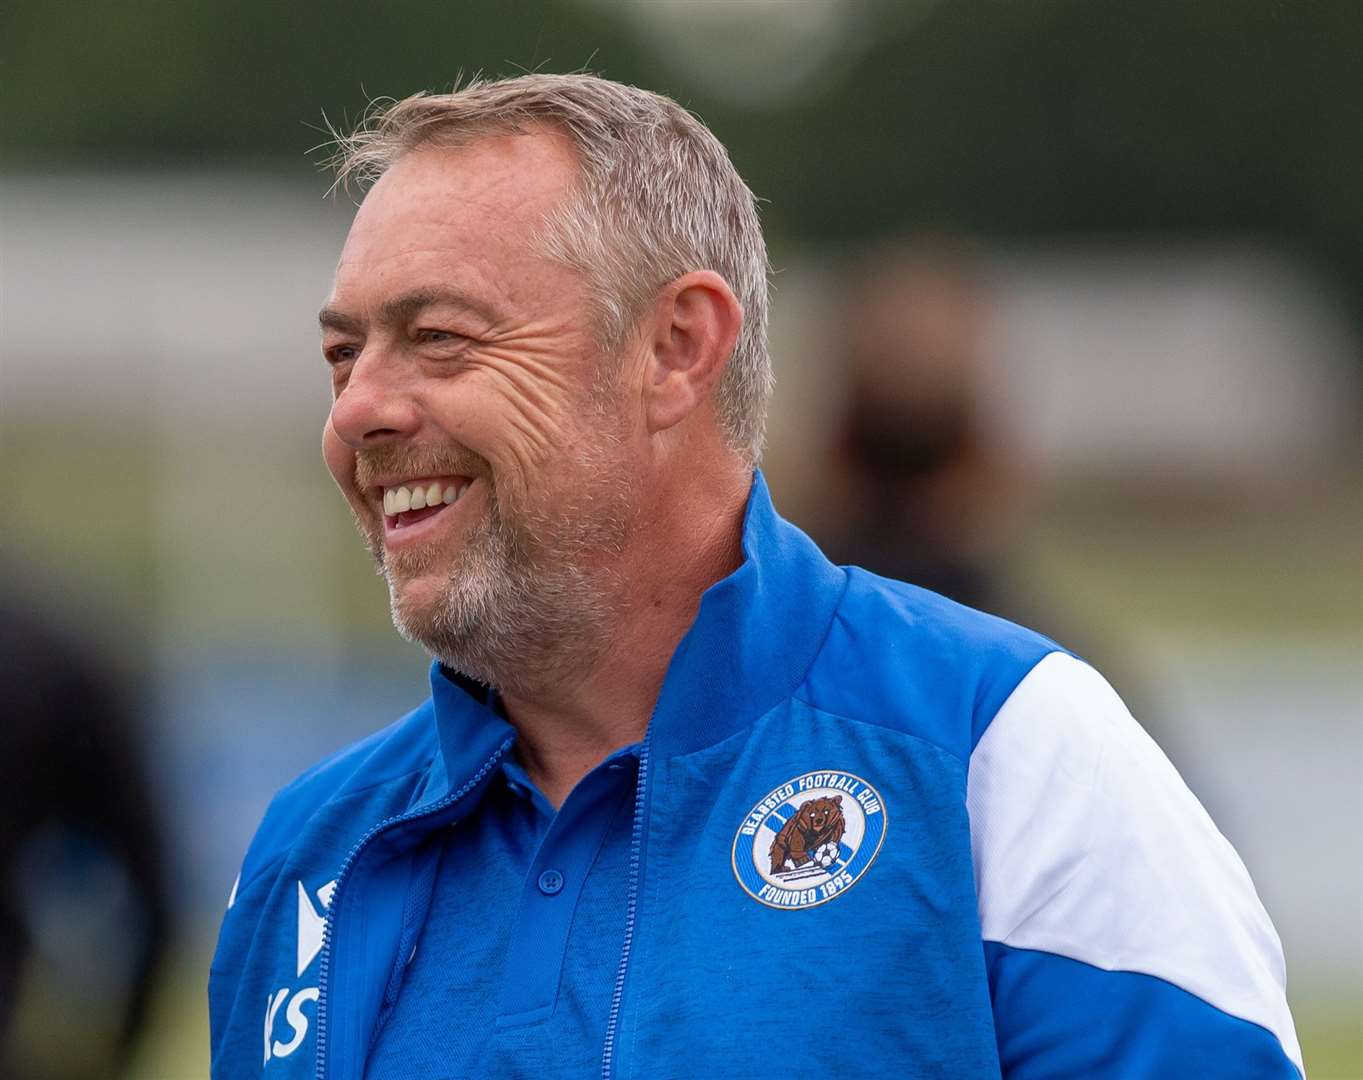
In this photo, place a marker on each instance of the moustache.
(417, 461)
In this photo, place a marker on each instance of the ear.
(837, 800)
(696, 320)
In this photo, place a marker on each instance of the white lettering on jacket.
(295, 1021)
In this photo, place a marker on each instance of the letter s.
(294, 1015)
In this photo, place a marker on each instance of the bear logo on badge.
(812, 834)
(809, 840)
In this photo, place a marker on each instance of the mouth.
(410, 507)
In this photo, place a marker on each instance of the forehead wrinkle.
(406, 306)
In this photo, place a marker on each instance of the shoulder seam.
(883, 727)
(245, 884)
(377, 783)
(975, 715)
(279, 856)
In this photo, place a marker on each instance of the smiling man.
(686, 799)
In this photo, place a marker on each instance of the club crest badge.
(809, 840)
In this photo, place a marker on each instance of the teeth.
(398, 500)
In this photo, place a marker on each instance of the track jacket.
(875, 833)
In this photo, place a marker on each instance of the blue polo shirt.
(514, 963)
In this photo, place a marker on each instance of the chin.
(416, 601)
(415, 620)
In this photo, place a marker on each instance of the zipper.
(324, 970)
(631, 905)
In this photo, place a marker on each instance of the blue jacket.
(874, 830)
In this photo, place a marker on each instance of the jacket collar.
(754, 637)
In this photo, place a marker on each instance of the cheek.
(496, 429)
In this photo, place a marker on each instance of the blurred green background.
(1134, 233)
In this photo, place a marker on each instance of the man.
(686, 800)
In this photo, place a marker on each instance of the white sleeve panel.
(1087, 844)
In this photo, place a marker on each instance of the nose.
(374, 406)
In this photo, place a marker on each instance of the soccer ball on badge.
(825, 855)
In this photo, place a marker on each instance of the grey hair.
(658, 197)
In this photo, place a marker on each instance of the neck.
(688, 537)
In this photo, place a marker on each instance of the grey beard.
(522, 609)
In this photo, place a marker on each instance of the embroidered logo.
(809, 840)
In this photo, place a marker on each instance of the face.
(476, 430)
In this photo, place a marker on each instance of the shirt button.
(551, 881)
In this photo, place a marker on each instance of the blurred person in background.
(686, 799)
(83, 919)
(923, 489)
(922, 486)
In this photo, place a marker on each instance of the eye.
(340, 354)
(438, 337)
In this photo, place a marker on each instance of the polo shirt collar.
(754, 637)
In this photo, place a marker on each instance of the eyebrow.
(403, 308)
